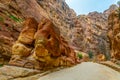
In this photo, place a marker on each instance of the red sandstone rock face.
(41, 47)
(56, 10)
(114, 35)
(27, 34)
(87, 33)
(12, 11)
(90, 33)
(10, 26)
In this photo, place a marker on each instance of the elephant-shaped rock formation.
(40, 46)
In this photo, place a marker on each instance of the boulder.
(41, 47)
(20, 49)
(12, 72)
(100, 57)
(27, 34)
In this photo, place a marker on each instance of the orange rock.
(20, 49)
(48, 37)
(100, 57)
(114, 35)
(49, 49)
(27, 34)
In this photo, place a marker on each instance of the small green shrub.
(1, 19)
(15, 18)
(80, 56)
(90, 53)
(1, 65)
(118, 64)
(0, 27)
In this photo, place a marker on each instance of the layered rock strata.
(40, 46)
(90, 33)
(13, 12)
(56, 10)
(10, 26)
(114, 34)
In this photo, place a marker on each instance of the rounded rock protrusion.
(20, 49)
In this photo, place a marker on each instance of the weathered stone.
(49, 49)
(20, 49)
(56, 10)
(13, 12)
(92, 38)
(5, 48)
(47, 38)
(100, 57)
(12, 72)
(5, 45)
(114, 34)
(90, 33)
(27, 34)
(9, 27)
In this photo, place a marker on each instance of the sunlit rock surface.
(114, 34)
(41, 47)
(56, 10)
(90, 33)
(85, 32)
(13, 12)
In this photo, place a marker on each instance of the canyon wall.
(55, 10)
(90, 32)
(114, 34)
(87, 33)
(13, 13)
(10, 26)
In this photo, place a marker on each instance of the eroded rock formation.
(13, 12)
(90, 33)
(10, 26)
(40, 46)
(114, 34)
(56, 10)
(87, 33)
